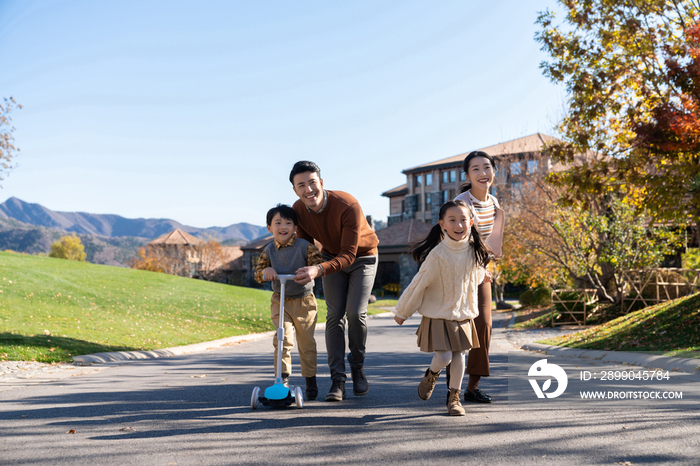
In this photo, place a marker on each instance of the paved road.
(195, 409)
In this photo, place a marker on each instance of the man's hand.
(399, 320)
(305, 274)
(269, 274)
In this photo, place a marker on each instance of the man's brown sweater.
(340, 227)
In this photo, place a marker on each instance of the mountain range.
(116, 226)
(108, 239)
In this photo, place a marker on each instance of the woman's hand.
(399, 320)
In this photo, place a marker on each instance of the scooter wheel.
(254, 398)
(299, 397)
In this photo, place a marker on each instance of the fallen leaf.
(23, 415)
(123, 429)
(72, 431)
(198, 376)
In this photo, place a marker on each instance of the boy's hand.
(269, 274)
(399, 320)
(305, 274)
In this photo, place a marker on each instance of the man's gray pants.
(347, 294)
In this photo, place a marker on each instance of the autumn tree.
(630, 71)
(7, 149)
(68, 247)
(582, 245)
(171, 260)
(211, 256)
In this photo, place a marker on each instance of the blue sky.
(196, 111)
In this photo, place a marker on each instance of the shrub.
(68, 247)
(542, 296)
(526, 298)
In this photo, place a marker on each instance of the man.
(335, 219)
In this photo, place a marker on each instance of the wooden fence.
(575, 303)
(651, 286)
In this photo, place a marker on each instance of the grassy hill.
(52, 309)
(672, 327)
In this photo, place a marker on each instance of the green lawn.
(670, 327)
(53, 309)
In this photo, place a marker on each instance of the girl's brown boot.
(426, 386)
(454, 407)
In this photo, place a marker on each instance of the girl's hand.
(488, 278)
(399, 320)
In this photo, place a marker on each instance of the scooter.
(279, 395)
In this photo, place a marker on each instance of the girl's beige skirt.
(446, 335)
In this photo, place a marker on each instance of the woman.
(480, 170)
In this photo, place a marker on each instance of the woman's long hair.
(421, 250)
(465, 167)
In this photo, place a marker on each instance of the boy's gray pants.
(347, 294)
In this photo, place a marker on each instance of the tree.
(68, 247)
(171, 260)
(7, 149)
(581, 245)
(630, 70)
(211, 256)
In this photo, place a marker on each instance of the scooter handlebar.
(284, 277)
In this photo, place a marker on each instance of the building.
(430, 185)
(182, 254)
(251, 254)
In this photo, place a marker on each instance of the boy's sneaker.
(454, 407)
(311, 388)
(285, 380)
(337, 392)
(360, 386)
(427, 385)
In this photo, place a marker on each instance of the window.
(445, 196)
(515, 168)
(531, 166)
(516, 190)
(444, 177)
(429, 179)
(427, 202)
(453, 176)
(418, 180)
(462, 176)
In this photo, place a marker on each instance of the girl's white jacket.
(446, 285)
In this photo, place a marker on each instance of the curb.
(122, 356)
(650, 361)
(125, 356)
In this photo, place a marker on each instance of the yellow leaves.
(69, 247)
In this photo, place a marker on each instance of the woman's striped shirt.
(486, 213)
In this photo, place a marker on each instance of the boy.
(285, 255)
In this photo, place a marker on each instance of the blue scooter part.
(279, 395)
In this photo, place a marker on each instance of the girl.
(444, 292)
(480, 169)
